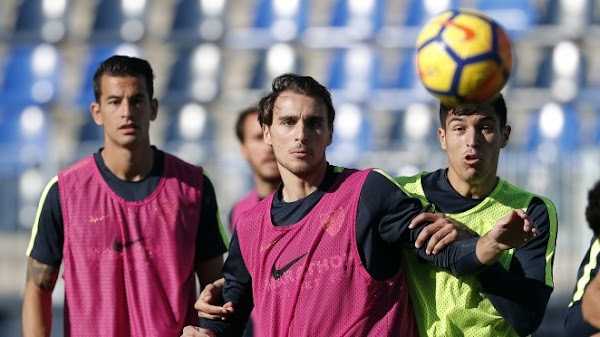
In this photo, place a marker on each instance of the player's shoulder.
(381, 180)
(509, 188)
(168, 156)
(50, 193)
(402, 182)
(51, 185)
(173, 160)
(411, 179)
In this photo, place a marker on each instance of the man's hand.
(192, 331)
(209, 295)
(511, 231)
(440, 232)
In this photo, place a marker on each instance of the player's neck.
(129, 164)
(475, 188)
(296, 187)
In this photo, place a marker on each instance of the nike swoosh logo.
(278, 273)
(469, 33)
(119, 246)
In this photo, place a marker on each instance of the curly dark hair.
(592, 211)
(302, 85)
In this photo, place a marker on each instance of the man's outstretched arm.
(37, 300)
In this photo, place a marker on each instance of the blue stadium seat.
(286, 20)
(189, 133)
(25, 144)
(277, 60)
(198, 20)
(9, 205)
(32, 73)
(563, 68)
(94, 56)
(25, 131)
(555, 129)
(353, 134)
(273, 21)
(195, 75)
(414, 127)
(356, 71)
(419, 12)
(516, 16)
(90, 137)
(350, 22)
(406, 74)
(362, 19)
(120, 21)
(89, 131)
(568, 13)
(40, 21)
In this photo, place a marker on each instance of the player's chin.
(301, 169)
(472, 174)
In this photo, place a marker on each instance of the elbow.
(459, 272)
(526, 327)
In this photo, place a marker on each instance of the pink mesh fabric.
(129, 266)
(308, 279)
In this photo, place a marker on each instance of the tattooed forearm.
(42, 275)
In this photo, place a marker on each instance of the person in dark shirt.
(132, 225)
(583, 313)
(261, 159)
(329, 241)
(509, 298)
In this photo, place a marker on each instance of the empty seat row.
(274, 20)
(35, 72)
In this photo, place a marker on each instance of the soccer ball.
(463, 57)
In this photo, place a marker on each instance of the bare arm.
(37, 300)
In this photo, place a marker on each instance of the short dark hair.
(592, 211)
(239, 124)
(302, 85)
(121, 66)
(498, 104)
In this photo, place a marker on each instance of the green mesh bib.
(449, 306)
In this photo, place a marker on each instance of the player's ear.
(267, 134)
(442, 138)
(154, 108)
(505, 135)
(95, 111)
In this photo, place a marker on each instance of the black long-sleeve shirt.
(384, 213)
